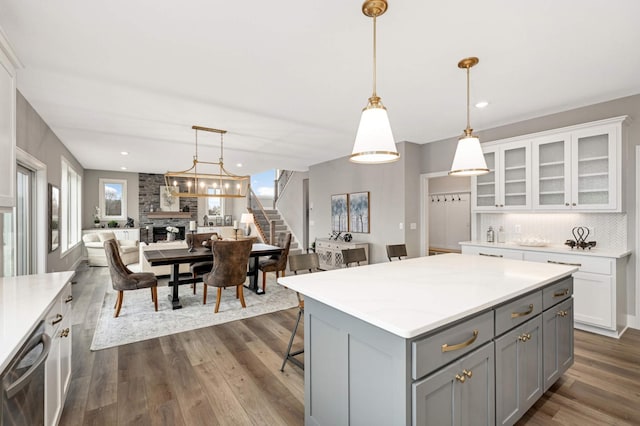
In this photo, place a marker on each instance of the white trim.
(634, 320)
(41, 208)
(123, 201)
(424, 210)
(9, 52)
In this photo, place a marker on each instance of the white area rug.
(138, 320)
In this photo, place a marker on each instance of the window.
(113, 199)
(214, 204)
(70, 207)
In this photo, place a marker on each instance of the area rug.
(138, 320)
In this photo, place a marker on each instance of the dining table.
(177, 256)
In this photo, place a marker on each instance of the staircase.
(273, 216)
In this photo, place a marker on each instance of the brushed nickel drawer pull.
(561, 293)
(490, 255)
(57, 320)
(448, 348)
(68, 299)
(564, 263)
(522, 314)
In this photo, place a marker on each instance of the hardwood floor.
(229, 374)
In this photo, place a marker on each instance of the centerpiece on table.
(171, 233)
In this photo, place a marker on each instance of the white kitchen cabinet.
(58, 364)
(7, 131)
(492, 252)
(578, 170)
(508, 184)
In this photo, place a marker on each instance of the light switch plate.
(413, 226)
(401, 226)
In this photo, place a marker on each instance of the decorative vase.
(171, 236)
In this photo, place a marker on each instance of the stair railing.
(280, 184)
(255, 207)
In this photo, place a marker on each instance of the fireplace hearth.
(160, 233)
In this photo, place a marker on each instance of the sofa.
(94, 243)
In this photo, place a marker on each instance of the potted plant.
(112, 224)
(171, 233)
(96, 218)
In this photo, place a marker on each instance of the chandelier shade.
(374, 142)
(469, 158)
(206, 178)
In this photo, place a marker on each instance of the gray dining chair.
(396, 250)
(355, 255)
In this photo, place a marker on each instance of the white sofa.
(94, 242)
(162, 269)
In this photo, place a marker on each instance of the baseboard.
(633, 321)
(616, 334)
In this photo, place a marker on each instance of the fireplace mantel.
(169, 215)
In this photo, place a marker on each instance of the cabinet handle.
(490, 255)
(467, 373)
(573, 204)
(501, 205)
(497, 205)
(524, 337)
(561, 293)
(460, 378)
(562, 313)
(68, 299)
(566, 204)
(65, 332)
(564, 263)
(522, 314)
(448, 348)
(57, 320)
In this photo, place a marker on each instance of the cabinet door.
(557, 332)
(477, 393)
(595, 299)
(551, 172)
(7, 131)
(594, 168)
(433, 398)
(485, 196)
(518, 371)
(515, 176)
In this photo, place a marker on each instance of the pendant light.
(374, 141)
(469, 159)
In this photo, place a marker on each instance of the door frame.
(40, 208)
(424, 209)
(634, 320)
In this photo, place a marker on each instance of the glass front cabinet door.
(552, 172)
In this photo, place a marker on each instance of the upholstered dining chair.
(229, 268)
(299, 262)
(396, 250)
(276, 263)
(203, 239)
(355, 255)
(123, 279)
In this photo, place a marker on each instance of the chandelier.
(206, 178)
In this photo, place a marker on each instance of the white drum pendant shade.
(374, 141)
(469, 159)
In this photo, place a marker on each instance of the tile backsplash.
(609, 229)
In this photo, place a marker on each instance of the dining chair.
(123, 279)
(229, 268)
(278, 262)
(396, 250)
(200, 240)
(355, 255)
(299, 262)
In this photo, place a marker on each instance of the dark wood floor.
(229, 374)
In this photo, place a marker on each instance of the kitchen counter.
(413, 296)
(24, 301)
(596, 251)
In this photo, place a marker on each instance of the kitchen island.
(449, 339)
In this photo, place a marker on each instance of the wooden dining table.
(177, 256)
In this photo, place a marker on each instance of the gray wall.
(90, 194)
(35, 137)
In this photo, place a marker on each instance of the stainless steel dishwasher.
(23, 382)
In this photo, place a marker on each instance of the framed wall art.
(54, 217)
(339, 212)
(359, 212)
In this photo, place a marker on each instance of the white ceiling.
(288, 79)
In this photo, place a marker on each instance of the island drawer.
(557, 292)
(518, 311)
(432, 352)
(585, 263)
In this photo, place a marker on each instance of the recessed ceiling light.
(239, 165)
(123, 168)
(482, 104)
(124, 153)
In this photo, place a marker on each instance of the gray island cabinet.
(440, 340)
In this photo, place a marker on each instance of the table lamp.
(247, 219)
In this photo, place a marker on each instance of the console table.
(330, 252)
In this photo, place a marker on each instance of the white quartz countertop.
(413, 296)
(598, 252)
(24, 300)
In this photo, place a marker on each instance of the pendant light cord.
(374, 56)
(468, 121)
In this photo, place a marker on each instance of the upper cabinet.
(508, 184)
(7, 126)
(576, 168)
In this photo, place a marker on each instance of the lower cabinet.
(460, 394)
(58, 364)
(518, 371)
(557, 343)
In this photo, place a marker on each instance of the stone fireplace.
(159, 233)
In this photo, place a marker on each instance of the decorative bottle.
(501, 235)
(490, 235)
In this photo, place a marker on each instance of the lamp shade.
(374, 141)
(246, 218)
(469, 159)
